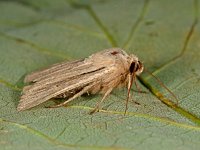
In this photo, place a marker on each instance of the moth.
(99, 73)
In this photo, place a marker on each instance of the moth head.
(136, 67)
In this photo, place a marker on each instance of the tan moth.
(99, 73)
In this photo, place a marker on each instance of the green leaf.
(163, 34)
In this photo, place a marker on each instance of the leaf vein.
(186, 40)
(137, 23)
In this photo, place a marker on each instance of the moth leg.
(84, 90)
(138, 87)
(98, 105)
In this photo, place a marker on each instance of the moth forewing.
(52, 71)
(39, 93)
(100, 72)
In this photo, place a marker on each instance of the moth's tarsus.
(93, 111)
(99, 73)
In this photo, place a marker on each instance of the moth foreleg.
(98, 105)
(84, 90)
(138, 87)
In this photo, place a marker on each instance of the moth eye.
(132, 67)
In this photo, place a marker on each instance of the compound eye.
(132, 67)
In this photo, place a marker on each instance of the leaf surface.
(163, 34)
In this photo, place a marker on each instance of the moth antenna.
(130, 83)
(163, 85)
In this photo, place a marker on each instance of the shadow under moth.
(99, 73)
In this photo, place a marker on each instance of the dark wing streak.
(35, 76)
(62, 77)
(31, 99)
(46, 89)
(66, 75)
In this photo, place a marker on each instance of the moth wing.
(69, 76)
(53, 81)
(50, 71)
